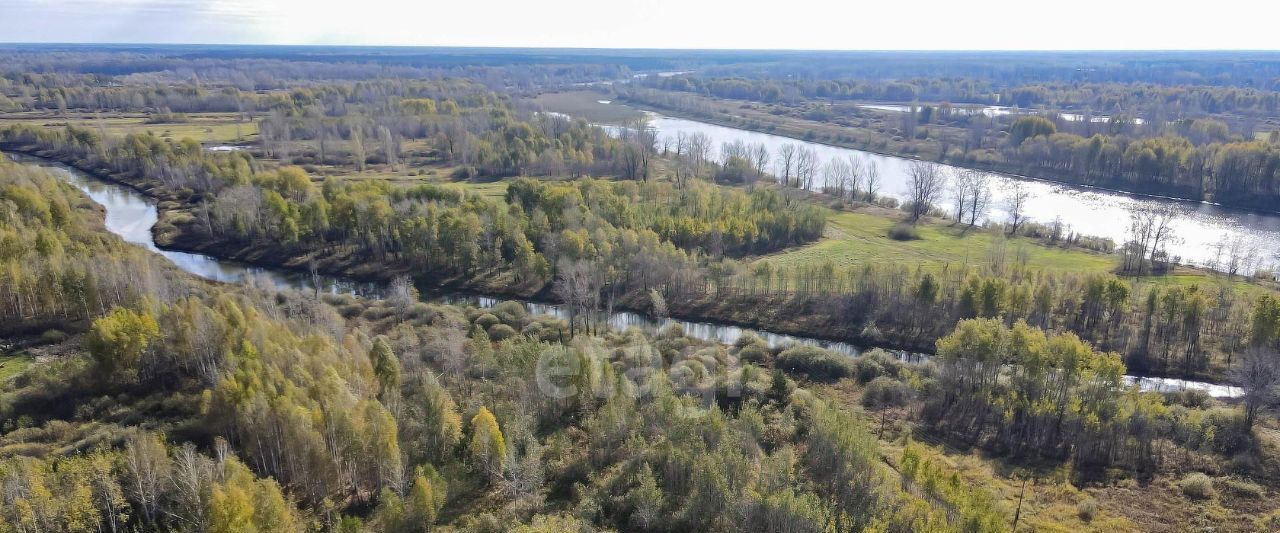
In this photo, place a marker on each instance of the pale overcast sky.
(797, 24)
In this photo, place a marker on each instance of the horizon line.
(635, 48)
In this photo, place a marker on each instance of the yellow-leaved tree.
(241, 503)
(488, 449)
(117, 341)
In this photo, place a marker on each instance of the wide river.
(131, 215)
(1085, 210)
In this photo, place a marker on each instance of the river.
(1084, 210)
(995, 111)
(131, 215)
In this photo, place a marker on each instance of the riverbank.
(819, 318)
(1077, 209)
(834, 135)
(788, 316)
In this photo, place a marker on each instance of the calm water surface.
(1084, 210)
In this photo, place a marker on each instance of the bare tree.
(390, 146)
(681, 158)
(1166, 215)
(924, 183)
(1016, 204)
(1258, 374)
(699, 145)
(959, 192)
(454, 134)
(639, 139)
(321, 132)
(578, 285)
(835, 176)
(284, 137)
(856, 170)
(1239, 252)
(786, 163)
(147, 462)
(979, 196)
(664, 145)
(358, 155)
(873, 181)
(909, 120)
(401, 292)
(658, 304)
(192, 472)
(760, 158)
(971, 195)
(274, 132)
(448, 348)
(1150, 231)
(737, 148)
(807, 165)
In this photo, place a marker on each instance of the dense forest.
(188, 406)
(988, 393)
(1108, 98)
(285, 412)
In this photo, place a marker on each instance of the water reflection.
(995, 111)
(1083, 210)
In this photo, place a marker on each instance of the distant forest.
(1258, 70)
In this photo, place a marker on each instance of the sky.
(739, 24)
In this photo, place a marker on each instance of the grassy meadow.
(208, 128)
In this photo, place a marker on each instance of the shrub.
(1027, 127)
(868, 369)
(374, 314)
(1230, 433)
(1270, 522)
(1197, 399)
(487, 320)
(501, 332)
(884, 392)
(1086, 509)
(815, 362)
(754, 353)
(1245, 489)
(422, 312)
(903, 231)
(52, 336)
(748, 338)
(877, 362)
(510, 313)
(871, 333)
(534, 329)
(1245, 462)
(1197, 486)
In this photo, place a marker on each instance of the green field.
(854, 239)
(203, 127)
(12, 365)
(586, 104)
(857, 238)
(495, 191)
